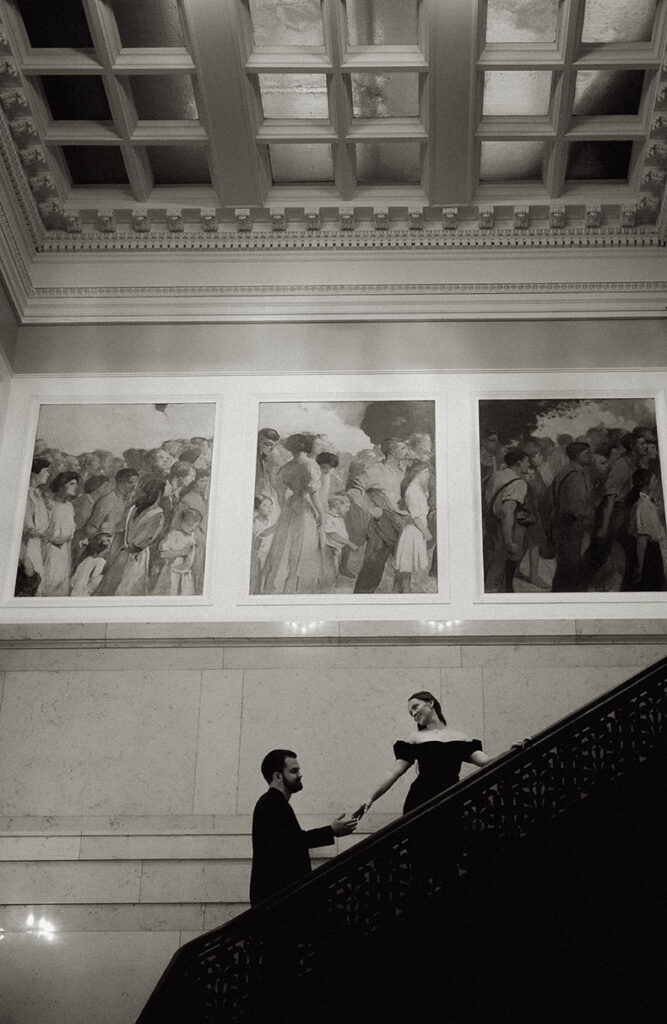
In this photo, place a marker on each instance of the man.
(109, 513)
(279, 845)
(505, 536)
(573, 515)
(378, 492)
(613, 530)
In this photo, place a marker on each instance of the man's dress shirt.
(280, 846)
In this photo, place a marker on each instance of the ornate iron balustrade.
(305, 938)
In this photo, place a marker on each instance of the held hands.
(342, 826)
(361, 810)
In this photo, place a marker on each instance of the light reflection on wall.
(304, 627)
(41, 929)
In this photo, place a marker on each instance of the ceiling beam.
(224, 102)
(452, 46)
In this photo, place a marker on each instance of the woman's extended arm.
(400, 768)
(479, 758)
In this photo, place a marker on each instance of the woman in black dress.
(437, 750)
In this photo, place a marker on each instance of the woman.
(411, 554)
(295, 562)
(127, 574)
(35, 524)
(59, 534)
(437, 750)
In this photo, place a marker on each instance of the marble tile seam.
(394, 640)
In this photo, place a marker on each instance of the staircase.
(533, 891)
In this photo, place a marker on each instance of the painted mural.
(345, 498)
(117, 501)
(572, 497)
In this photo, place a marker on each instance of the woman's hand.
(361, 810)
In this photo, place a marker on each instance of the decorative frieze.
(487, 218)
(278, 220)
(381, 219)
(141, 222)
(593, 217)
(13, 100)
(24, 129)
(557, 218)
(450, 217)
(243, 220)
(106, 221)
(313, 220)
(209, 220)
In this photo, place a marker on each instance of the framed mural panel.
(345, 498)
(117, 501)
(571, 496)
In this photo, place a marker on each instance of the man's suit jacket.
(280, 846)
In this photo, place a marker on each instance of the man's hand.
(342, 826)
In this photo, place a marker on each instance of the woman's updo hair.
(427, 696)
(296, 443)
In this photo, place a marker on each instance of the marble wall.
(130, 769)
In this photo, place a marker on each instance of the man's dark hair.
(93, 482)
(274, 762)
(39, 464)
(126, 473)
(575, 448)
(63, 478)
(629, 441)
(327, 459)
(515, 455)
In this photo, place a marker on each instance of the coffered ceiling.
(224, 126)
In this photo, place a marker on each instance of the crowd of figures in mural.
(345, 499)
(572, 496)
(102, 524)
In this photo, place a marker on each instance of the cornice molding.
(20, 185)
(373, 240)
(275, 291)
(341, 302)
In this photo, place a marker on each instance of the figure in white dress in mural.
(36, 523)
(59, 534)
(411, 551)
(295, 563)
(177, 550)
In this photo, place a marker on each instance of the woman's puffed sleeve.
(404, 751)
(471, 747)
(313, 477)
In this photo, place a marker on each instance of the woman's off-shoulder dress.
(439, 764)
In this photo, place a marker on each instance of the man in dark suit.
(279, 845)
